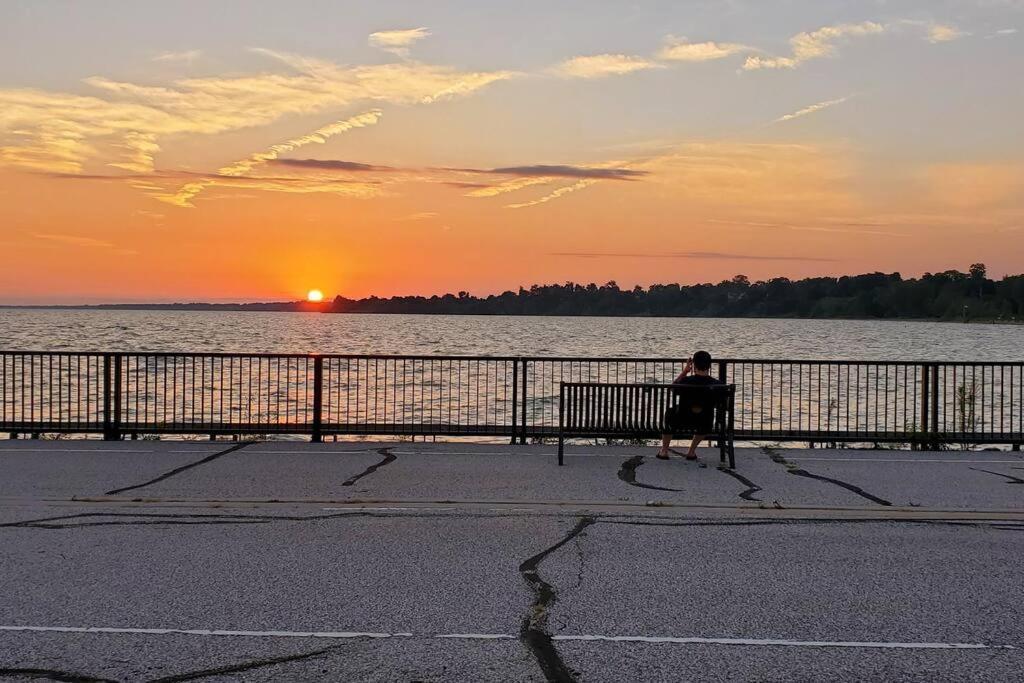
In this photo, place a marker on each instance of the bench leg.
(561, 450)
(732, 455)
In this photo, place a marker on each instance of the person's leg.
(666, 441)
(692, 453)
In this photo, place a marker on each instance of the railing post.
(318, 399)
(112, 397)
(561, 423)
(934, 412)
(723, 377)
(925, 403)
(523, 392)
(515, 397)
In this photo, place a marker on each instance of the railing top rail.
(644, 385)
(549, 359)
(239, 354)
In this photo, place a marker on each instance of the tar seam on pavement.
(793, 469)
(179, 470)
(389, 457)
(244, 666)
(752, 488)
(627, 473)
(533, 633)
(53, 675)
(1012, 479)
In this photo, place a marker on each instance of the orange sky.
(407, 163)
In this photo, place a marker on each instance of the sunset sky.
(253, 150)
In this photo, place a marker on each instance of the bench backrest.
(593, 408)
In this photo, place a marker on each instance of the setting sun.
(314, 296)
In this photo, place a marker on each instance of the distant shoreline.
(949, 296)
(303, 307)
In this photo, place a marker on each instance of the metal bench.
(646, 411)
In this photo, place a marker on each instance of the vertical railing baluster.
(318, 399)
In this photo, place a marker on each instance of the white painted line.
(795, 458)
(316, 451)
(100, 450)
(440, 452)
(205, 632)
(749, 642)
(758, 642)
(389, 509)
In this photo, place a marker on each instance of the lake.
(94, 330)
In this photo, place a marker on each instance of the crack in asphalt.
(53, 675)
(627, 473)
(244, 666)
(1012, 479)
(141, 519)
(752, 488)
(534, 632)
(793, 469)
(389, 457)
(179, 470)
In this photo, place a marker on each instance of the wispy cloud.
(185, 194)
(504, 187)
(544, 174)
(81, 241)
(847, 227)
(561, 171)
(812, 109)
(814, 45)
(519, 177)
(679, 50)
(60, 132)
(187, 56)
(603, 66)
(398, 41)
(560, 192)
(74, 240)
(140, 149)
(332, 165)
(698, 255)
(943, 33)
(419, 216)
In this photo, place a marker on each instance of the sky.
(253, 150)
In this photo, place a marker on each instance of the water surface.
(88, 330)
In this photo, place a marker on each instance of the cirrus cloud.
(812, 109)
(682, 51)
(398, 41)
(60, 132)
(603, 66)
(806, 46)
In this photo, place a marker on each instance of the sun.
(314, 296)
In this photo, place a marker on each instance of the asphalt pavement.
(223, 561)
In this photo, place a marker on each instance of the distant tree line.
(949, 295)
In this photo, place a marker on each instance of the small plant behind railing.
(966, 405)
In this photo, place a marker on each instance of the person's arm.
(687, 369)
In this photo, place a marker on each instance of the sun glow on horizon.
(314, 296)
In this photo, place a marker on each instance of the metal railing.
(819, 401)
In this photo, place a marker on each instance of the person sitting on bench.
(696, 372)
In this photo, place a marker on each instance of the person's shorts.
(681, 419)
